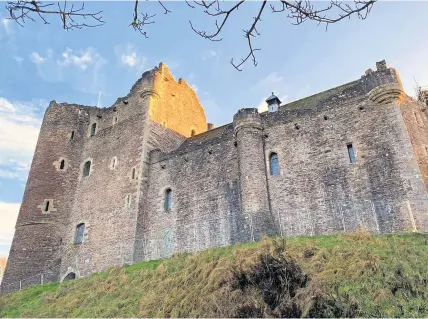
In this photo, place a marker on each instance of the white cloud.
(19, 129)
(36, 58)
(8, 214)
(5, 105)
(130, 57)
(194, 87)
(82, 59)
(18, 59)
(6, 25)
(211, 54)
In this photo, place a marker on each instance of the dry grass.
(356, 275)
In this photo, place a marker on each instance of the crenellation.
(162, 180)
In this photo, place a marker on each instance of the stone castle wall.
(221, 187)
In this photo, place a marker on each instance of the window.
(86, 168)
(168, 200)
(72, 135)
(127, 201)
(62, 164)
(115, 120)
(133, 173)
(193, 133)
(113, 162)
(351, 153)
(93, 129)
(47, 206)
(274, 164)
(80, 232)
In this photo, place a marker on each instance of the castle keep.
(149, 177)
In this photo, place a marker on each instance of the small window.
(113, 162)
(133, 173)
(426, 150)
(351, 153)
(127, 201)
(86, 168)
(72, 135)
(80, 232)
(168, 200)
(274, 164)
(193, 133)
(93, 129)
(62, 164)
(47, 206)
(115, 120)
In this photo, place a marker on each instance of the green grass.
(355, 275)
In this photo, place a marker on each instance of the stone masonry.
(149, 177)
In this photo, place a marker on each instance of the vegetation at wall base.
(353, 275)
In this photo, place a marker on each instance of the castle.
(149, 177)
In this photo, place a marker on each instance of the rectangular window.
(351, 153)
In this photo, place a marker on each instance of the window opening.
(72, 135)
(93, 129)
(133, 173)
(80, 231)
(274, 164)
(168, 200)
(351, 153)
(193, 133)
(62, 164)
(87, 168)
(47, 206)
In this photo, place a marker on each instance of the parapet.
(383, 85)
(247, 117)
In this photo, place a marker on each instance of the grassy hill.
(325, 276)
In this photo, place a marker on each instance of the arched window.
(192, 133)
(168, 200)
(86, 168)
(274, 164)
(62, 164)
(80, 232)
(93, 129)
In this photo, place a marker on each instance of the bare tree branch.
(71, 17)
(298, 11)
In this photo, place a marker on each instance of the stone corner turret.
(247, 117)
(384, 85)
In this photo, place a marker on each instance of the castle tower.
(248, 131)
(47, 200)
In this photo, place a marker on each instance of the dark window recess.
(80, 232)
(86, 168)
(351, 153)
(133, 173)
(72, 135)
(274, 164)
(70, 276)
(47, 206)
(168, 200)
(193, 133)
(62, 164)
(93, 129)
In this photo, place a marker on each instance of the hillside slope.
(326, 276)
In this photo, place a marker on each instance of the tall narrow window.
(351, 153)
(274, 164)
(47, 206)
(72, 135)
(86, 168)
(80, 232)
(93, 129)
(168, 200)
(133, 173)
(62, 164)
(193, 133)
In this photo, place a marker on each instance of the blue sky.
(40, 63)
